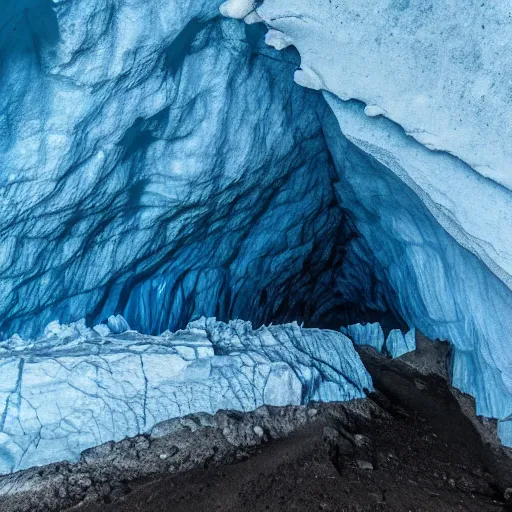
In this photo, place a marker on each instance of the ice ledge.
(80, 387)
(435, 72)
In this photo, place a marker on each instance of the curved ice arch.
(434, 282)
(143, 170)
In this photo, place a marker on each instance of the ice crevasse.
(272, 161)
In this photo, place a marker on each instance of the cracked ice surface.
(147, 148)
(76, 388)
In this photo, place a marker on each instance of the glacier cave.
(179, 177)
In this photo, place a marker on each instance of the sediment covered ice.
(75, 388)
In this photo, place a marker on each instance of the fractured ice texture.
(75, 388)
(158, 161)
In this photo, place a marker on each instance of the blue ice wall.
(437, 285)
(158, 161)
(366, 334)
(77, 387)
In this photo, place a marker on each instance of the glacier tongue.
(75, 388)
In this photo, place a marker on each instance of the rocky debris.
(258, 431)
(394, 463)
(364, 464)
(419, 381)
(107, 472)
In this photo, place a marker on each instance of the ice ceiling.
(159, 161)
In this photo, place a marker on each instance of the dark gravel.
(395, 464)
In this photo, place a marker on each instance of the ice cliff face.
(157, 160)
(76, 388)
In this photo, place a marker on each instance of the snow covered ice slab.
(393, 55)
(77, 388)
